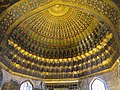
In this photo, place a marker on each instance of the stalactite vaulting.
(59, 39)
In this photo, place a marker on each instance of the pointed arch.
(26, 85)
(97, 84)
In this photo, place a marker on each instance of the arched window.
(27, 85)
(97, 84)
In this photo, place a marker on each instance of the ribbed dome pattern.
(69, 39)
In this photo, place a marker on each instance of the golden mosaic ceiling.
(59, 39)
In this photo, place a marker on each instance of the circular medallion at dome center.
(58, 10)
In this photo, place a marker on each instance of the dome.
(59, 39)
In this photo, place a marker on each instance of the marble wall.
(111, 79)
(7, 78)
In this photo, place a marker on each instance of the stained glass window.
(97, 84)
(1, 77)
(26, 86)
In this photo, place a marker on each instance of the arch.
(26, 85)
(97, 84)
